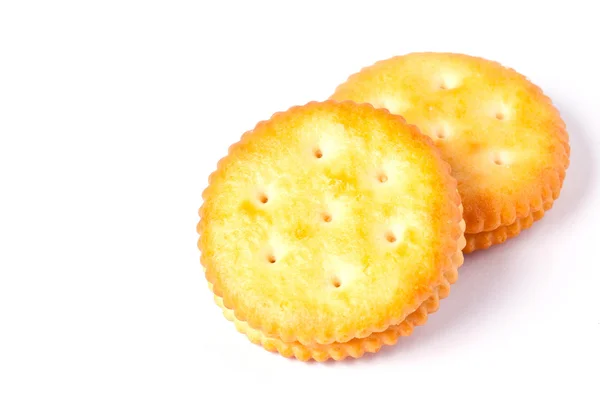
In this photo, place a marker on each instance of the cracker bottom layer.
(357, 347)
(486, 239)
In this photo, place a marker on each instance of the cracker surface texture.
(356, 347)
(328, 223)
(506, 142)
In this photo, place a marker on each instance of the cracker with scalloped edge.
(329, 222)
(506, 142)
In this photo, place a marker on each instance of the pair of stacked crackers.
(335, 227)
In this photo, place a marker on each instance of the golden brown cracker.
(328, 222)
(506, 142)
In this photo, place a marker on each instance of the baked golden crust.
(329, 222)
(486, 239)
(506, 142)
(356, 347)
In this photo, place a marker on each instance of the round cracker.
(506, 142)
(329, 222)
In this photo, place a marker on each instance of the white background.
(112, 116)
